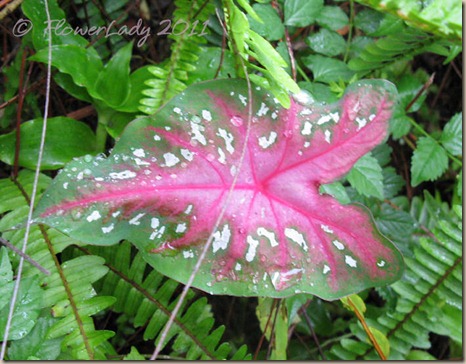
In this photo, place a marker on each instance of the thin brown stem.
(311, 328)
(26, 257)
(19, 110)
(261, 340)
(367, 329)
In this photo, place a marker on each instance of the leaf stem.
(23, 255)
(302, 73)
(350, 31)
(426, 134)
(366, 328)
(100, 136)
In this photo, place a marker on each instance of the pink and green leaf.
(165, 183)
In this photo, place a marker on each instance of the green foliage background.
(107, 303)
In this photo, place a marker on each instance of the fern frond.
(150, 298)
(440, 17)
(68, 295)
(396, 47)
(172, 78)
(429, 298)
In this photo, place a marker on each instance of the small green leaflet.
(429, 161)
(452, 135)
(366, 177)
(327, 42)
(301, 13)
(326, 70)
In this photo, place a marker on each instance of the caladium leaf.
(165, 183)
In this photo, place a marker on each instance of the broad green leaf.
(272, 27)
(168, 178)
(301, 13)
(113, 83)
(136, 88)
(452, 135)
(65, 81)
(366, 177)
(61, 34)
(116, 122)
(83, 65)
(368, 20)
(326, 70)
(333, 18)
(327, 42)
(397, 225)
(429, 161)
(392, 182)
(66, 139)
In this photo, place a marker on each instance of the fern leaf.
(429, 298)
(68, 294)
(172, 78)
(149, 297)
(395, 47)
(441, 17)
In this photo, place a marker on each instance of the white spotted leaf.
(166, 181)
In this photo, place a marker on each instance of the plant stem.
(350, 31)
(361, 319)
(302, 73)
(100, 136)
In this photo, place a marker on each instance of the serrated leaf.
(326, 70)
(327, 42)
(272, 27)
(167, 180)
(452, 135)
(429, 161)
(301, 13)
(392, 182)
(333, 18)
(366, 177)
